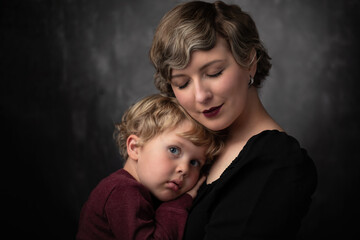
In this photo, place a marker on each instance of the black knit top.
(264, 193)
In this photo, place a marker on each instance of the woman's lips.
(212, 112)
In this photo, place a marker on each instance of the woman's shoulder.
(272, 146)
(277, 146)
(274, 141)
(269, 151)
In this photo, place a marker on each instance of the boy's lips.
(212, 112)
(175, 185)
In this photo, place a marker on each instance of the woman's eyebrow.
(210, 63)
(177, 75)
(201, 68)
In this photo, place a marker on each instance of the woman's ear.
(132, 147)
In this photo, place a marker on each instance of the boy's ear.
(132, 147)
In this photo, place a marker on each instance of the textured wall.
(70, 68)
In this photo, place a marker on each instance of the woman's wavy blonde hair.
(195, 26)
(156, 113)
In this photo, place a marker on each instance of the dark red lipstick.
(212, 112)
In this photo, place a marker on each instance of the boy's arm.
(131, 214)
(170, 218)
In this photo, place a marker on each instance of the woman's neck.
(252, 121)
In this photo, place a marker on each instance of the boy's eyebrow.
(202, 68)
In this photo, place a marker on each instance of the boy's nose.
(182, 168)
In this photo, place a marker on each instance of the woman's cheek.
(184, 100)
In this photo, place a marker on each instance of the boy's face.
(169, 165)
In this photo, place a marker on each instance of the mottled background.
(69, 68)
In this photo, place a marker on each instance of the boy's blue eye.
(195, 163)
(174, 150)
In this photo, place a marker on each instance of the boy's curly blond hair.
(153, 115)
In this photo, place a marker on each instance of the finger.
(200, 182)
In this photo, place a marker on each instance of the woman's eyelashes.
(180, 83)
(182, 86)
(215, 75)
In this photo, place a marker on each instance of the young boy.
(165, 150)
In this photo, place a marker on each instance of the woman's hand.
(193, 192)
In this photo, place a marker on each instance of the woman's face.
(213, 88)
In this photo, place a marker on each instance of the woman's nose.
(202, 92)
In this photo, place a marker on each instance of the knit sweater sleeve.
(131, 214)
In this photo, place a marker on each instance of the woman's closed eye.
(180, 83)
(184, 85)
(215, 74)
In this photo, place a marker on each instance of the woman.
(209, 56)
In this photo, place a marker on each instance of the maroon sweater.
(121, 208)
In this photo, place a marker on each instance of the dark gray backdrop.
(70, 68)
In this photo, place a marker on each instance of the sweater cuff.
(184, 201)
